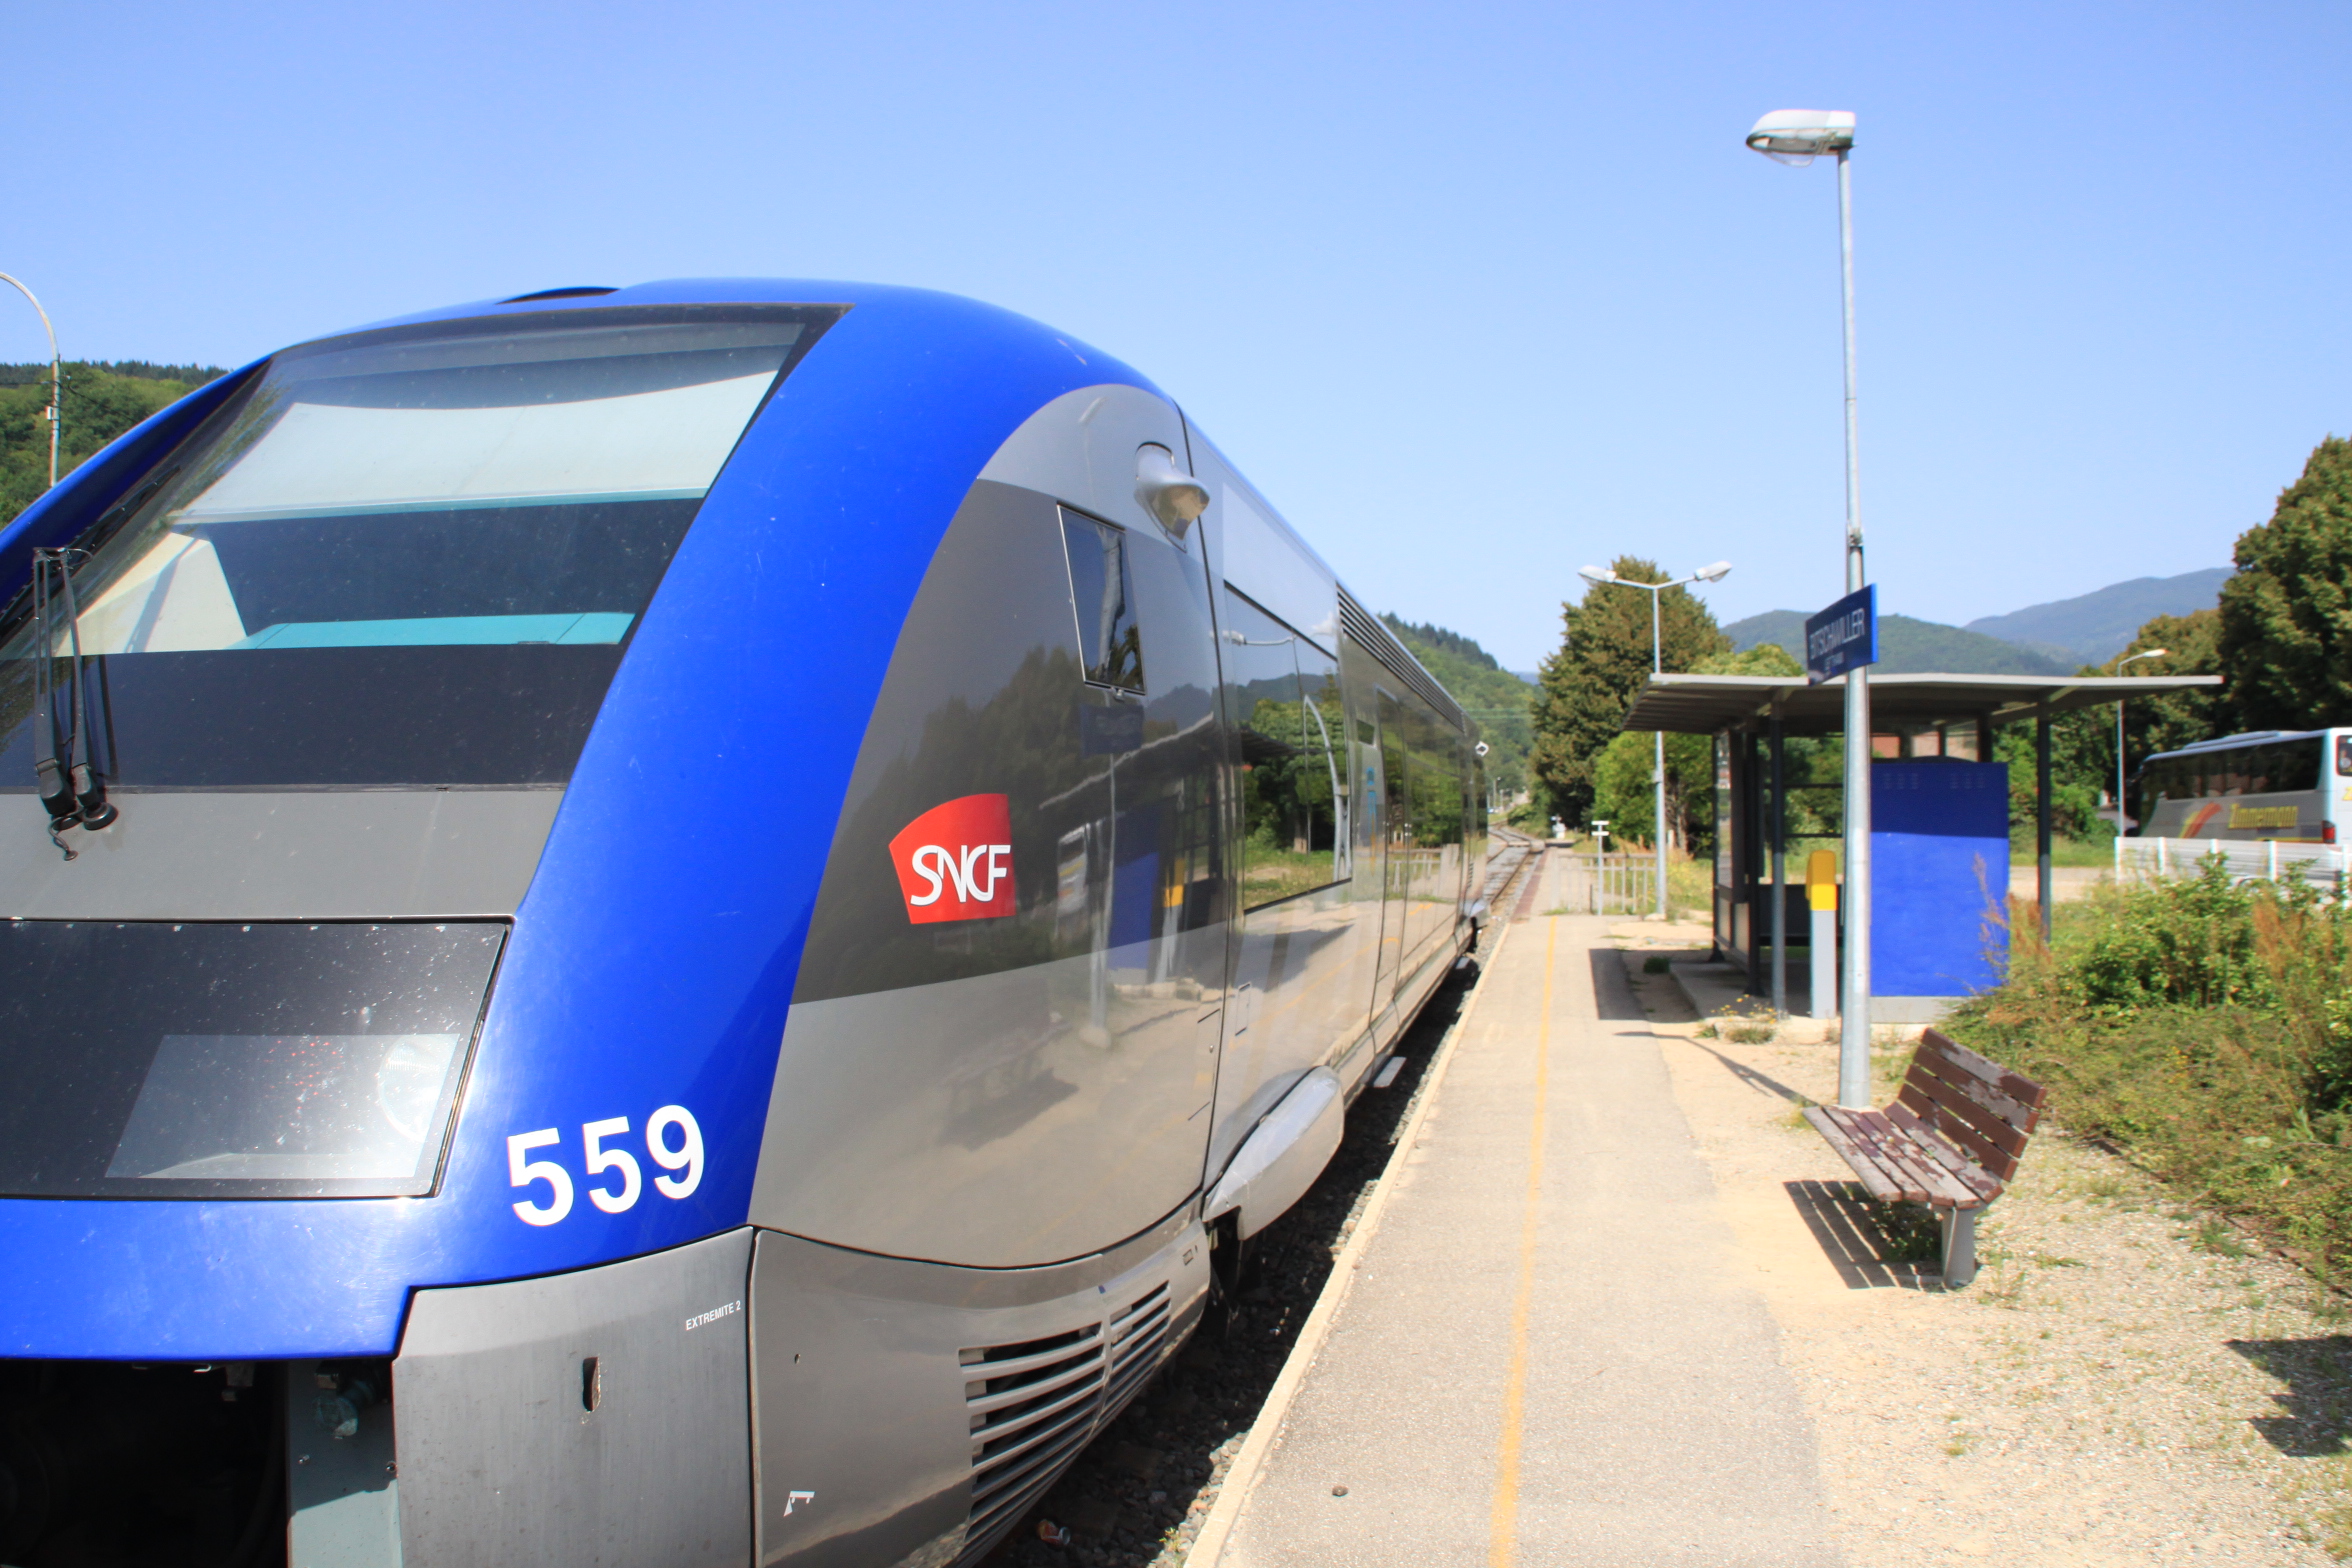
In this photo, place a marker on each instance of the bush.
(2204, 1027)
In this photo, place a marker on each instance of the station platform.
(1547, 1351)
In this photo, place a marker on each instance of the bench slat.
(1970, 1174)
(1925, 1177)
(1874, 1179)
(1991, 1104)
(1918, 1178)
(1977, 1118)
(2015, 1085)
(1963, 1137)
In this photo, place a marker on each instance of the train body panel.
(836, 788)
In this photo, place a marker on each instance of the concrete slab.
(1549, 1351)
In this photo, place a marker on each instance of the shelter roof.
(1703, 704)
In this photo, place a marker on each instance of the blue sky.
(1475, 294)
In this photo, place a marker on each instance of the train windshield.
(404, 557)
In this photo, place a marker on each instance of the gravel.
(2128, 1380)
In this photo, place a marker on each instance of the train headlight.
(211, 1060)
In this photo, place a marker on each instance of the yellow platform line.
(1502, 1544)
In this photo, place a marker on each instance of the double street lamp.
(1601, 577)
(1798, 136)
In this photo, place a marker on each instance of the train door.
(1394, 836)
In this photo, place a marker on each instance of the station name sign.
(1843, 637)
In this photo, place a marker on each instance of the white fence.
(1614, 884)
(2322, 864)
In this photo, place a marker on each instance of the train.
(671, 925)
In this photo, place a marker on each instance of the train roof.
(940, 312)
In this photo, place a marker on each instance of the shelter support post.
(1984, 738)
(2043, 882)
(1779, 832)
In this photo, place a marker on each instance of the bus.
(2264, 798)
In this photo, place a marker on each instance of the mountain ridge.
(2093, 627)
(1907, 646)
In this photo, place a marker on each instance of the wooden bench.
(1951, 1140)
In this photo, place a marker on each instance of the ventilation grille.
(1378, 641)
(1138, 1335)
(1032, 1406)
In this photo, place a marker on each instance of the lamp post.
(1798, 136)
(2120, 784)
(1601, 578)
(56, 374)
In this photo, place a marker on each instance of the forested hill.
(1906, 646)
(1496, 700)
(102, 400)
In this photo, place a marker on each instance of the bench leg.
(1959, 1247)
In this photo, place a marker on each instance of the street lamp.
(1600, 577)
(2152, 653)
(56, 375)
(1798, 136)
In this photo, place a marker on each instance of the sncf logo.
(955, 862)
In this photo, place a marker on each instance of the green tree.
(2286, 617)
(1624, 795)
(99, 406)
(2082, 743)
(1590, 682)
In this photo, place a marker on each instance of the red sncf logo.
(955, 862)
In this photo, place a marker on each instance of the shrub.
(2205, 1027)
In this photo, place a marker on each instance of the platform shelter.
(1939, 819)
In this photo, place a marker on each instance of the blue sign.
(1843, 637)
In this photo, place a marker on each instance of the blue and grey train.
(667, 926)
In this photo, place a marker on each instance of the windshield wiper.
(70, 790)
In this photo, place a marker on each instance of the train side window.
(1282, 700)
(1102, 596)
(2344, 756)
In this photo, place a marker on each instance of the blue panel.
(1939, 883)
(653, 959)
(602, 626)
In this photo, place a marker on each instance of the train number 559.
(673, 1141)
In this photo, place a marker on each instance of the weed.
(2215, 1236)
(1748, 1021)
(2003, 1288)
(2044, 1260)
(1655, 964)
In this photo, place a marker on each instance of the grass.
(2064, 851)
(1656, 964)
(2214, 1235)
(1690, 889)
(1907, 1232)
